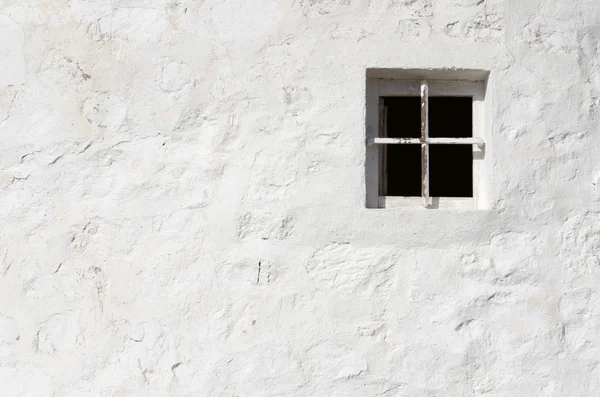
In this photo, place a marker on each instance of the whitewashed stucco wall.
(182, 203)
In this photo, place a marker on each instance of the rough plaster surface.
(182, 203)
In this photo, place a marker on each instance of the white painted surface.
(12, 63)
(155, 152)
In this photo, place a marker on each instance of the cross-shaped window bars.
(424, 140)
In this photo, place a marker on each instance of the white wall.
(182, 203)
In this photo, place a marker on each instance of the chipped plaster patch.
(105, 110)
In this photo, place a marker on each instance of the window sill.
(444, 203)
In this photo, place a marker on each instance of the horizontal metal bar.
(456, 141)
(415, 141)
(391, 141)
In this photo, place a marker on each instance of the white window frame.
(377, 140)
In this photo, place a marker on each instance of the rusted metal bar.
(425, 143)
(392, 141)
(456, 141)
(431, 141)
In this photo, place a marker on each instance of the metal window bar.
(424, 141)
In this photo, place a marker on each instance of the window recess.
(428, 144)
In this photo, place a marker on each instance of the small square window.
(427, 141)
(450, 166)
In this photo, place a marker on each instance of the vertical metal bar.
(425, 143)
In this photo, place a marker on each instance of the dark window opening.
(450, 166)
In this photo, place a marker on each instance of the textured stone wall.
(182, 203)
